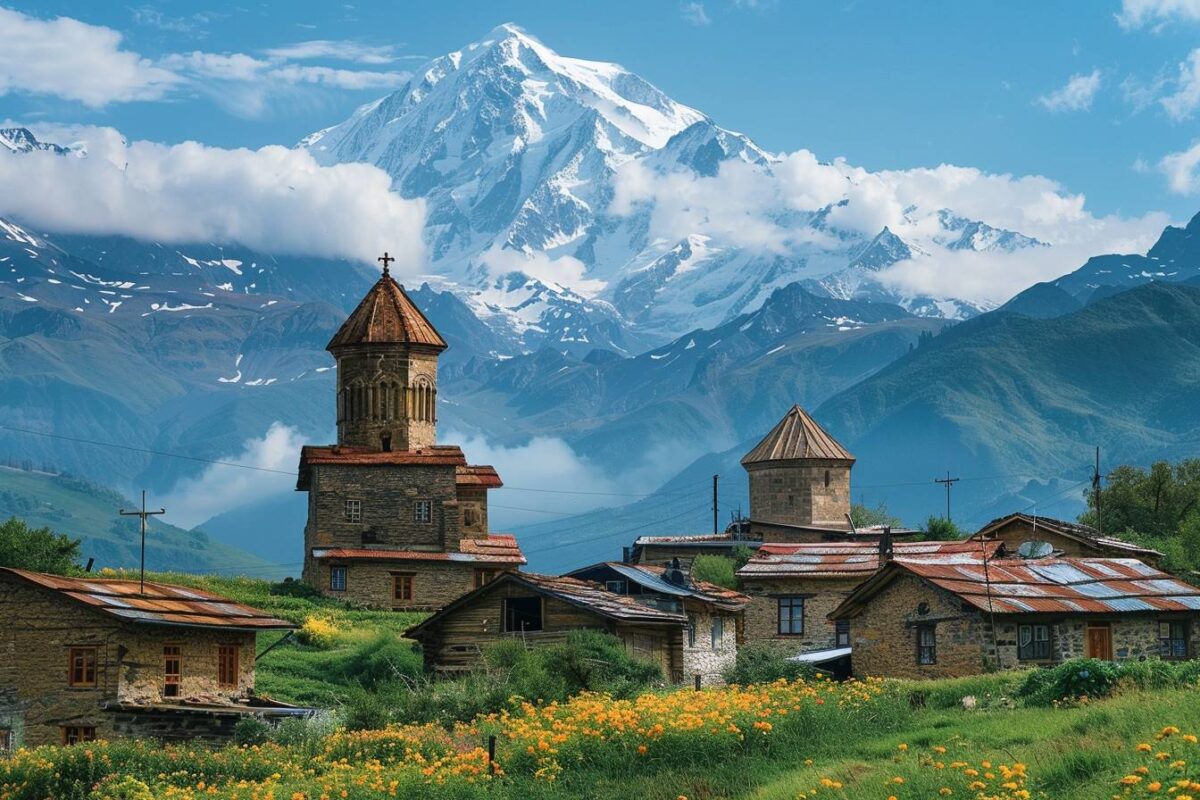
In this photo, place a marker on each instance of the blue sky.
(883, 84)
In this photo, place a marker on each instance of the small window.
(423, 512)
(6, 740)
(402, 587)
(337, 579)
(842, 632)
(826, 479)
(227, 666)
(926, 644)
(485, 576)
(1033, 642)
(354, 511)
(82, 669)
(691, 630)
(385, 443)
(522, 614)
(791, 616)
(617, 587)
(78, 734)
(172, 670)
(1173, 639)
(718, 632)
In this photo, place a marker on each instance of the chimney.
(885, 546)
(625, 555)
(674, 574)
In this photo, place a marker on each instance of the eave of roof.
(386, 315)
(651, 577)
(496, 549)
(1085, 534)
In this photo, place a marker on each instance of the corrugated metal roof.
(497, 548)
(852, 559)
(797, 436)
(651, 577)
(386, 315)
(159, 604)
(1087, 585)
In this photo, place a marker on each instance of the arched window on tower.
(826, 479)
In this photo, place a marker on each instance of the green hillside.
(1013, 402)
(86, 511)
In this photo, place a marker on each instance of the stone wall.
(821, 597)
(800, 492)
(1134, 637)
(703, 659)
(884, 635)
(393, 379)
(369, 583)
(37, 630)
(472, 505)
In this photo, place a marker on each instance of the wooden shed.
(543, 609)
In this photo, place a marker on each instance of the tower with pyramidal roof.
(799, 481)
(395, 520)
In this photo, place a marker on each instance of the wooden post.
(492, 754)
(697, 681)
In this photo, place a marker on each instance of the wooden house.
(543, 609)
(929, 619)
(95, 658)
(714, 613)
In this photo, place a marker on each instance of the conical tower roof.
(797, 436)
(387, 316)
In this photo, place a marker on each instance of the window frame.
(7, 738)
(790, 602)
(228, 658)
(352, 511)
(841, 633)
(485, 575)
(177, 675)
(338, 569)
(77, 734)
(426, 505)
(403, 587)
(717, 632)
(926, 653)
(1166, 645)
(1035, 649)
(504, 615)
(83, 682)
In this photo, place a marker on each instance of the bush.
(764, 663)
(591, 661)
(317, 632)
(365, 710)
(290, 587)
(37, 549)
(250, 731)
(715, 569)
(1083, 677)
(384, 659)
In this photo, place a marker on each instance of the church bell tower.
(386, 353)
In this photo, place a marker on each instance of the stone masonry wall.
(884, 635)
(795, 492)
(821, 597)
(389, 375)
(369, 583)
(703, 659)
(1134, 638)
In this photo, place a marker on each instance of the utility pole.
(716, 523)
(143, 514)
(949, 483)
(1096, 493)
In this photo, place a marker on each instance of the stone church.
(395, 520)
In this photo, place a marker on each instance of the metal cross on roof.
(386, 259)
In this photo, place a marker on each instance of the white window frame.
(423, 511)
(353, 511)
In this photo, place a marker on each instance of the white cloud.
(340, 50)
(1182, 103)
(694, 14)
(76, 61)
(1076, 95)
(1180, 170)
(274, 199)
(223, 488)
(565, 271)
(1137, 13)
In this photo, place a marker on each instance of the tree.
(1155, 502)
(864, 517)
(37, 549)
(940, 529)
(715, 569)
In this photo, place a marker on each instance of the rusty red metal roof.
(797, 436)
(497, 548)
(855, 559)
(439, 455)
(386, 315)
(582, 594)
(1046, 585)
(1085, 534)
(478, 475)
(159, 604)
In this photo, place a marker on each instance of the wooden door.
(1099, 642)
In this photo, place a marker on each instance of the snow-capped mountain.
(22, 140)
(517, 150)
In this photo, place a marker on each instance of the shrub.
(1083, 677)
(250, 731)
(365, 710)
(289, 587)
(317, 632)
(597, 662)
(764, 663)
(121, 787)
(383, 659)
(715, 569)
(37, 549)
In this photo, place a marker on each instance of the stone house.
(926, 619)
(1066, 538)
(95, 658)
(542, 609)
(714, 613)
(794, 587)
(395, 520)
